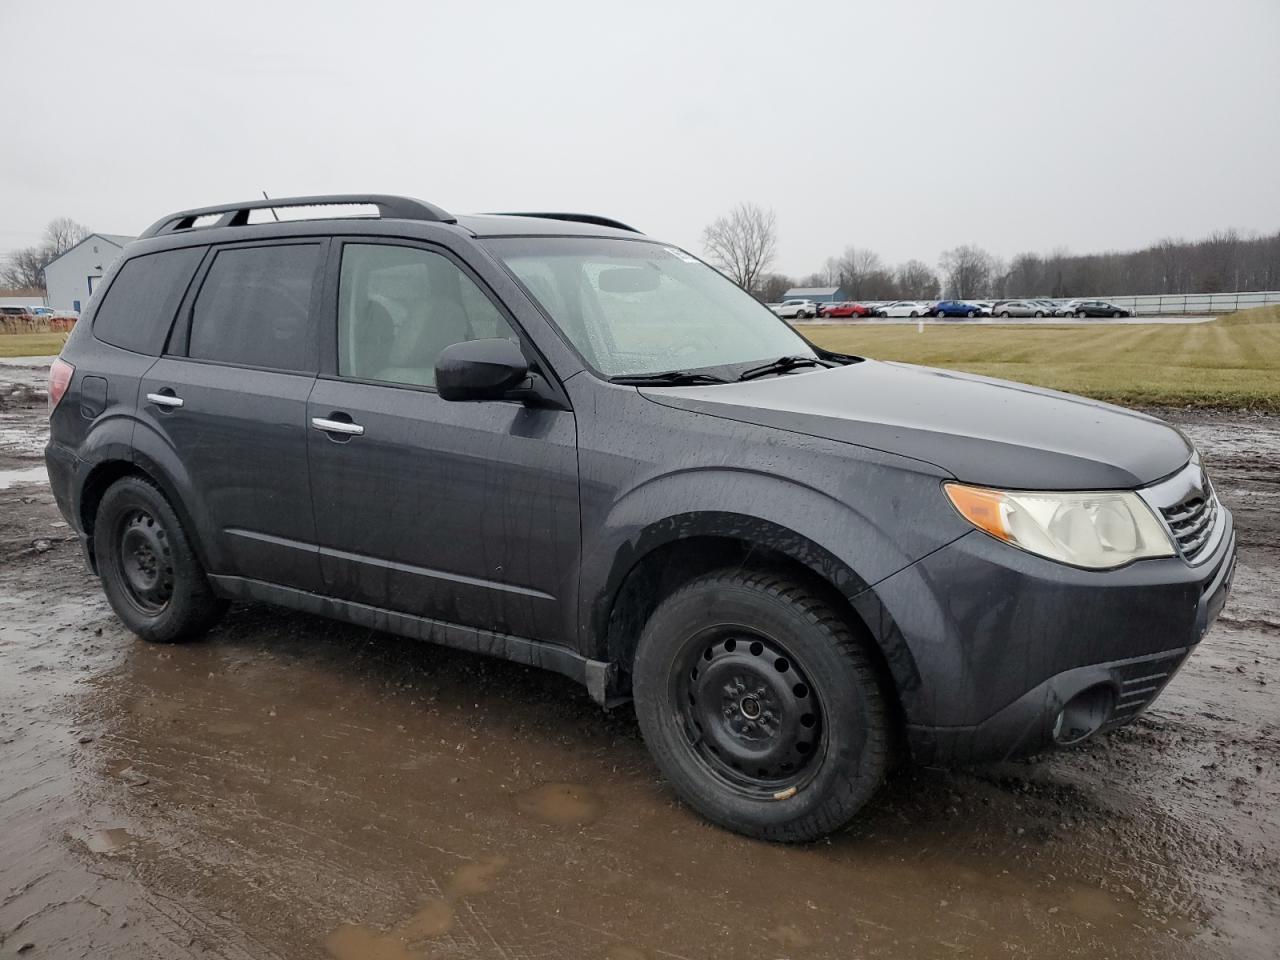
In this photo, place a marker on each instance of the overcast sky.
(908, 127)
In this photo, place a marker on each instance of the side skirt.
(597, 676)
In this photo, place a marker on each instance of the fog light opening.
(1082, 715)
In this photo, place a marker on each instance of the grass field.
(31, 344)
(1231, 362)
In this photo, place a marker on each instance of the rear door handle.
(164, 399)
(337, 426)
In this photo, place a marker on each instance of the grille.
(1192, 522)
(1139, 684)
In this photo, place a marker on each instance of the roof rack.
(237, 214)
(576, 218)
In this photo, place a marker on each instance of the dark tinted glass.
(139, 307)
(254, 308)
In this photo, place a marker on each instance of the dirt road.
(297, 788)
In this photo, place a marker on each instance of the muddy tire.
(761, 706)
(151, 576)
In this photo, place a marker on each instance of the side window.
(138, 309)
(254, 308)
(398, 307)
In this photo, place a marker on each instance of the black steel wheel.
(761, 705)
(748, 709)
(146, 560)
(150, 573)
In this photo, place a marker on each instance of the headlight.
(1098, 530)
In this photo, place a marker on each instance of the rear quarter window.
(139, 307)
(254, 308)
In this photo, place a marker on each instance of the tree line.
(24, 269)
(743, 244)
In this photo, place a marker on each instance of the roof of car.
(527, 224)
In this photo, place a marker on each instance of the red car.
(846, 309)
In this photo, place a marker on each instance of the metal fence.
(1193, 304)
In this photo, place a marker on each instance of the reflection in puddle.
(108, 841)
(11, 478)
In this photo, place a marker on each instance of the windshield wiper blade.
(669, 378)
(781, 365)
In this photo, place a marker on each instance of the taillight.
(60, 373)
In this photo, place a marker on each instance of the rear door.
(460, 512)
(229, 400)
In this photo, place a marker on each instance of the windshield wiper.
(669, 378)
(781, 365)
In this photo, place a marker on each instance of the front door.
(230, 400)
(460, 512)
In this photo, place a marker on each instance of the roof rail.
(237, 214)
(576, 218)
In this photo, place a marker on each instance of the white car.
(795, 309)
(903, 308)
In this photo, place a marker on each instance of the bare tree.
(62, 234)
(968, 269)
(743, 243)
(24, 268)
(917, 281)
(774, 286)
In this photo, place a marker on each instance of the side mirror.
(480, 370)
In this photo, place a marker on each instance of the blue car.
(956, 308)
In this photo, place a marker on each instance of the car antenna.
(272, 209)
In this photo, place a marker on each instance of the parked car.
(955, 308)
(1066, 309)
(795, 309)
(1020, 308)
(587, 450)
(846, 309)
(1098, 308)
(903, 308)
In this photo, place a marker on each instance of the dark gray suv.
(550, 438)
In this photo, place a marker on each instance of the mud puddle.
(298, 788)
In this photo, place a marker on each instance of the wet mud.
(293, 787)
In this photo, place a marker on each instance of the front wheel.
(970, 314)
(1117, 315)
(802, 315)
(150, 573)
(761, 706)
(1005, 314)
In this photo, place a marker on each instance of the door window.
(254, 308)
(398, 307)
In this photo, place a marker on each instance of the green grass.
(1231, 362)
(31, 344)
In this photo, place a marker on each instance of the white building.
(71, 279)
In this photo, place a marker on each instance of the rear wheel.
(1080, 314)
(761, 706)
(150, 573)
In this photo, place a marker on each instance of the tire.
(150, 574)
(1081, 315)
(761, 706)
(970, 314)
(1005, 314)
(914, 314)
(1117, 315)
(1039, 314)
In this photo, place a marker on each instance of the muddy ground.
(293, 787)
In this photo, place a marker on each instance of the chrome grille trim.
(1188, 507)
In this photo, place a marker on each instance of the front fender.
(838, 542)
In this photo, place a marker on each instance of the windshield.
(634, 307)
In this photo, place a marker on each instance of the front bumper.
(1003, 639)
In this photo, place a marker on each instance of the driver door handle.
(337, 426)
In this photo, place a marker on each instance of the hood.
(982, 431)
